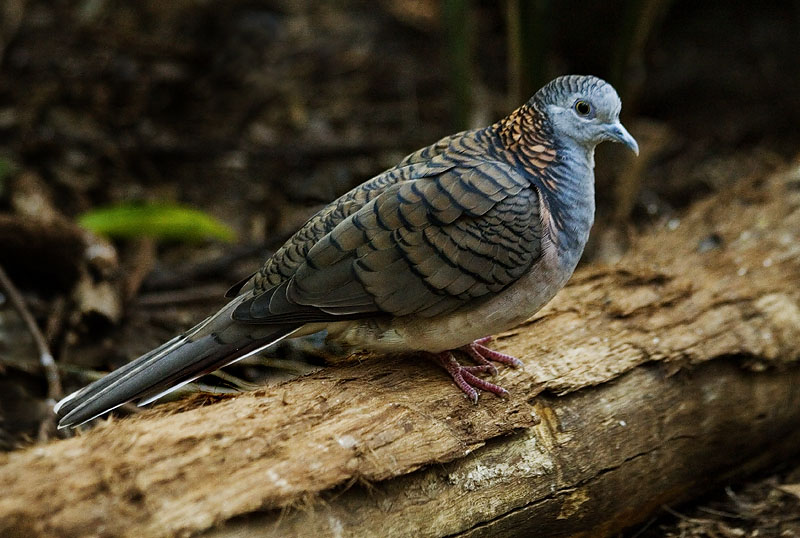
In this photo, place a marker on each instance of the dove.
(462, 239)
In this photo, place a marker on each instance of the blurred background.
(194, 135)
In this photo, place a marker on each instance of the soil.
(766, 506)
(258, 112)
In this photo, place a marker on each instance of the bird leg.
(464, 376)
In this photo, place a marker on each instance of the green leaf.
(158, 220)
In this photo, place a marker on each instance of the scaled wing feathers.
(437, 235)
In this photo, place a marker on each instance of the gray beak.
(618, 133)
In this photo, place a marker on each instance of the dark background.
(257, 112)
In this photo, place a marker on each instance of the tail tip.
(63, 401)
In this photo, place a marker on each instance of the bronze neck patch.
(526, 133)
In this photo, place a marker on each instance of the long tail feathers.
(168, 367)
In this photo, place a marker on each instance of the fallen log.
(645, 383)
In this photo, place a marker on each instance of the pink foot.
(482, 354)
(464, 376)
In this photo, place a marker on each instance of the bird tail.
(212, 344)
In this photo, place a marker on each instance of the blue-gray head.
(584, 109)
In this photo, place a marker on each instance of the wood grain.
(649, 381)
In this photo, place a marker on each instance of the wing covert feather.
(424, 245)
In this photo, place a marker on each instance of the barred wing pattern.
(282, 265)
(439, 230)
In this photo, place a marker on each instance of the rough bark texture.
(651, 380)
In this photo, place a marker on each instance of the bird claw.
(464, 376)
(483, 354)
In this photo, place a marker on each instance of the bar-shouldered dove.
(462, 239)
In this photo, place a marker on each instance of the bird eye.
(582, 107)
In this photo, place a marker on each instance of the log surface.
(644, 383)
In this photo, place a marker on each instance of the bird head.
(584, 109)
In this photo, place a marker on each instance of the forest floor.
(260, 113)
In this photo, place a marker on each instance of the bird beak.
(618, 133)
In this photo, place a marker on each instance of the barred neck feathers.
(563, 174)
(525, 132)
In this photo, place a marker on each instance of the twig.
(455, 14)
(55, 320)
(45, 357)
(142, 262)
(720, 513)
(682, 517)
(644, 527)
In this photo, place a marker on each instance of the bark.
(645, 383)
